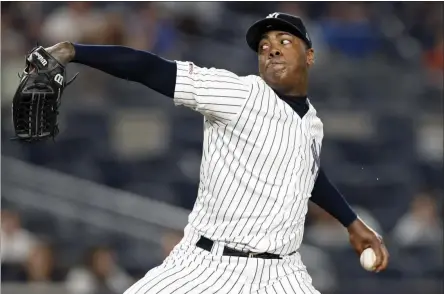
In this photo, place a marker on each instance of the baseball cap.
(277, 22)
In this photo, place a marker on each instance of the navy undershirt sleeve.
(326, 196)
(126, 63)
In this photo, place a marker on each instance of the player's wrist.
(63, 52)
(356, 224)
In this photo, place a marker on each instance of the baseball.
(368, 259)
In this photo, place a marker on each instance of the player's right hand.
(363, 237)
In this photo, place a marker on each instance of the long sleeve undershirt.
(160, 75)
(126, 63)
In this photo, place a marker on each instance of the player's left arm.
(216, 93)
(328, 197)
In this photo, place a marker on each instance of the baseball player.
(260, 164)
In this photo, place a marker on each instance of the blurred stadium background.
(94, 211)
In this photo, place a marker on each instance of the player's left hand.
(363, 237)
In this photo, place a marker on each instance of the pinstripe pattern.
(259, 164)
(191, 270)
(257, 169)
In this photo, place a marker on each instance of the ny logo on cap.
(273, 15)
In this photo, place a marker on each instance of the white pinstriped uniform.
(259, 164)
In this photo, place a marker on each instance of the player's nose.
(274, 53)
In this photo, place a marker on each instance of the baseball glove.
(35, 106)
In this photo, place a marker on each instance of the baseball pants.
(192, 270)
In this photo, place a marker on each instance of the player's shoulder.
(256, 81)
(194, 69)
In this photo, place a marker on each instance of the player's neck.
(299, 88)
(296, 94)
(299, 91)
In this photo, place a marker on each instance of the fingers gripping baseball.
(381, 253)
(363, 237)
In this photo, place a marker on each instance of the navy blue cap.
(277, 22)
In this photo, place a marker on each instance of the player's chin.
(275, 77)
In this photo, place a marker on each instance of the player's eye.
(264, 47)
(285, 41)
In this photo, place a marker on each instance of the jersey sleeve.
(217, 94)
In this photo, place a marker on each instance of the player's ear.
(310, 57)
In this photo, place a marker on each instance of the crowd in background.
(377, 84)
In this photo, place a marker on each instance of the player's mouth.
(275, 64)
(278, 66)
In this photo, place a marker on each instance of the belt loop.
(214, 248)
(218, 248)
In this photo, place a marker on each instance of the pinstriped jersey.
(259, 164)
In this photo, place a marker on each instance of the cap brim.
(258, 29)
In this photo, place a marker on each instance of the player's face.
(283, 59)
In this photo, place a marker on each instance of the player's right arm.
(218, 94)
(328, 197)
